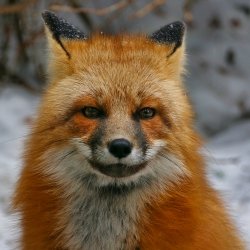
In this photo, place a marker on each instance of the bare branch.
(147, 9)
(187, 9)
(34, 36)
(99, 12)
(14, 8)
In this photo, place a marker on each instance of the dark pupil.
(147, 113)
(91, 112)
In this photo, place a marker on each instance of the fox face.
(113, 106)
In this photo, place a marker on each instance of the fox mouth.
(117, 170)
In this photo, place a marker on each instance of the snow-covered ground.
(228, 157)
(16, 108)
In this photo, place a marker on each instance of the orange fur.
(124, 71)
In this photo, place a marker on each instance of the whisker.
(56, 141)
(66, 156)
(167, 158)
(33, 133)
(27, 135)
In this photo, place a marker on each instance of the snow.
(228, 159)
(227, 154)
(218, 63)
(16, 108)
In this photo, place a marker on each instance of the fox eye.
(146, 113)
(91, 112)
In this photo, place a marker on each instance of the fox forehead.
(115, 86)
(118, 48)
(132, 52)
(119, 70)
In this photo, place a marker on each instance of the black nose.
(120, 148)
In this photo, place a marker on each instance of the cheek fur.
(154, 129)
(83, 126)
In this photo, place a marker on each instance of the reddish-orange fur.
(188, 215)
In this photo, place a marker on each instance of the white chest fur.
(100, 221)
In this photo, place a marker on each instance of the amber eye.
(92, 112)
(147, 113)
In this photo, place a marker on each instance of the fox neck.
(101, 221)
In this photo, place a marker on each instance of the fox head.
(115, 112)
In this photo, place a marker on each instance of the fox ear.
(59, 31)
(171, 34)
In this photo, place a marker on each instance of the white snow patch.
(16, 108)
(228, 158)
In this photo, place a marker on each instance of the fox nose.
(120, 148)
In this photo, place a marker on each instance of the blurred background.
(218, 82)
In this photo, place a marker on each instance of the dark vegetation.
(22, 48)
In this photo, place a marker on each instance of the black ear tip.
(51, 20)
(59, 27)
(46, 13)
(171, 33)
(178, 24)
(178, 27)
(48, 16)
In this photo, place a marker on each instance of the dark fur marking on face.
(96, 139)
(166, 121)
(124, 189)
(117, 170)
(140, 136)
(114, 189)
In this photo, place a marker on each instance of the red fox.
(113, 161)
